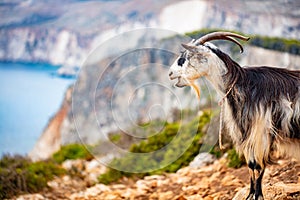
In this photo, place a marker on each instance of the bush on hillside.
(19, 175)
(72, 152)
(234, 159)
(183, 146)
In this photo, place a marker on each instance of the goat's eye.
(181, 61)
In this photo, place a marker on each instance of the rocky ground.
(214, 181)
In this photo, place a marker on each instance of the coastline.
(30, 95)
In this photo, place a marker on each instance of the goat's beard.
(195, 87)
(183, 81)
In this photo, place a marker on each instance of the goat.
(261, 105)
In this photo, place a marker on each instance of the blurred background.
(45, 43)
(96, 73)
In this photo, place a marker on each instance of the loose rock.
(214, 181)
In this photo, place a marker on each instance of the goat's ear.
(189, 47)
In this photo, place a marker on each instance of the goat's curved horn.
(223, 36)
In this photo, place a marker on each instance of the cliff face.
(272, 18)
(120, 92)
(259, 56)
(50, 141)
(42, 45)
(63, 33)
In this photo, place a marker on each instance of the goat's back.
(265, 84)
(275, 94)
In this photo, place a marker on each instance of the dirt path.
(215, 181)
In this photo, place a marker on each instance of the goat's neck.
(215, 74)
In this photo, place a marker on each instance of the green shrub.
(234, 159)
(183, 146)
(115, 137)
(72, 151)
(110, 176)
(275, 43)
(19, 175)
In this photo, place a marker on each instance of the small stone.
(53, 184)
(202, 159)
(156, 177)
(102, 187)
(66, 178)
(93, 164)
(153, 196)
(182, 180)
(153, 184)
(241, 194)
(141, 187)
(194, 197)
(184, 171)
(92, 191)
(288, 188)
(31, 197)
(78, 164)
(227, 180)
(118, 186)
(112, 196)
(128, 193)
(180, 197)
(161, 183)
(166, 195)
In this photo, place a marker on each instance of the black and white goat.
(261, 105)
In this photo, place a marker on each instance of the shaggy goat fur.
(261, 105)
(263, 109)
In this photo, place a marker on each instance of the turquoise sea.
(30, 94)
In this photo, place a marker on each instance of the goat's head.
(194, 62)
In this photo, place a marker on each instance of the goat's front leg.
(255, 183)
(252, 180)
(258, 189)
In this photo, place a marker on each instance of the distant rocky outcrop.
(50, 141)
(118, 92)
(259, 56)
(63, 33)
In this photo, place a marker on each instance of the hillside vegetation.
(291, 46)
(186, 137)
(19, 175)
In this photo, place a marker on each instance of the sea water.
(30, 94)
